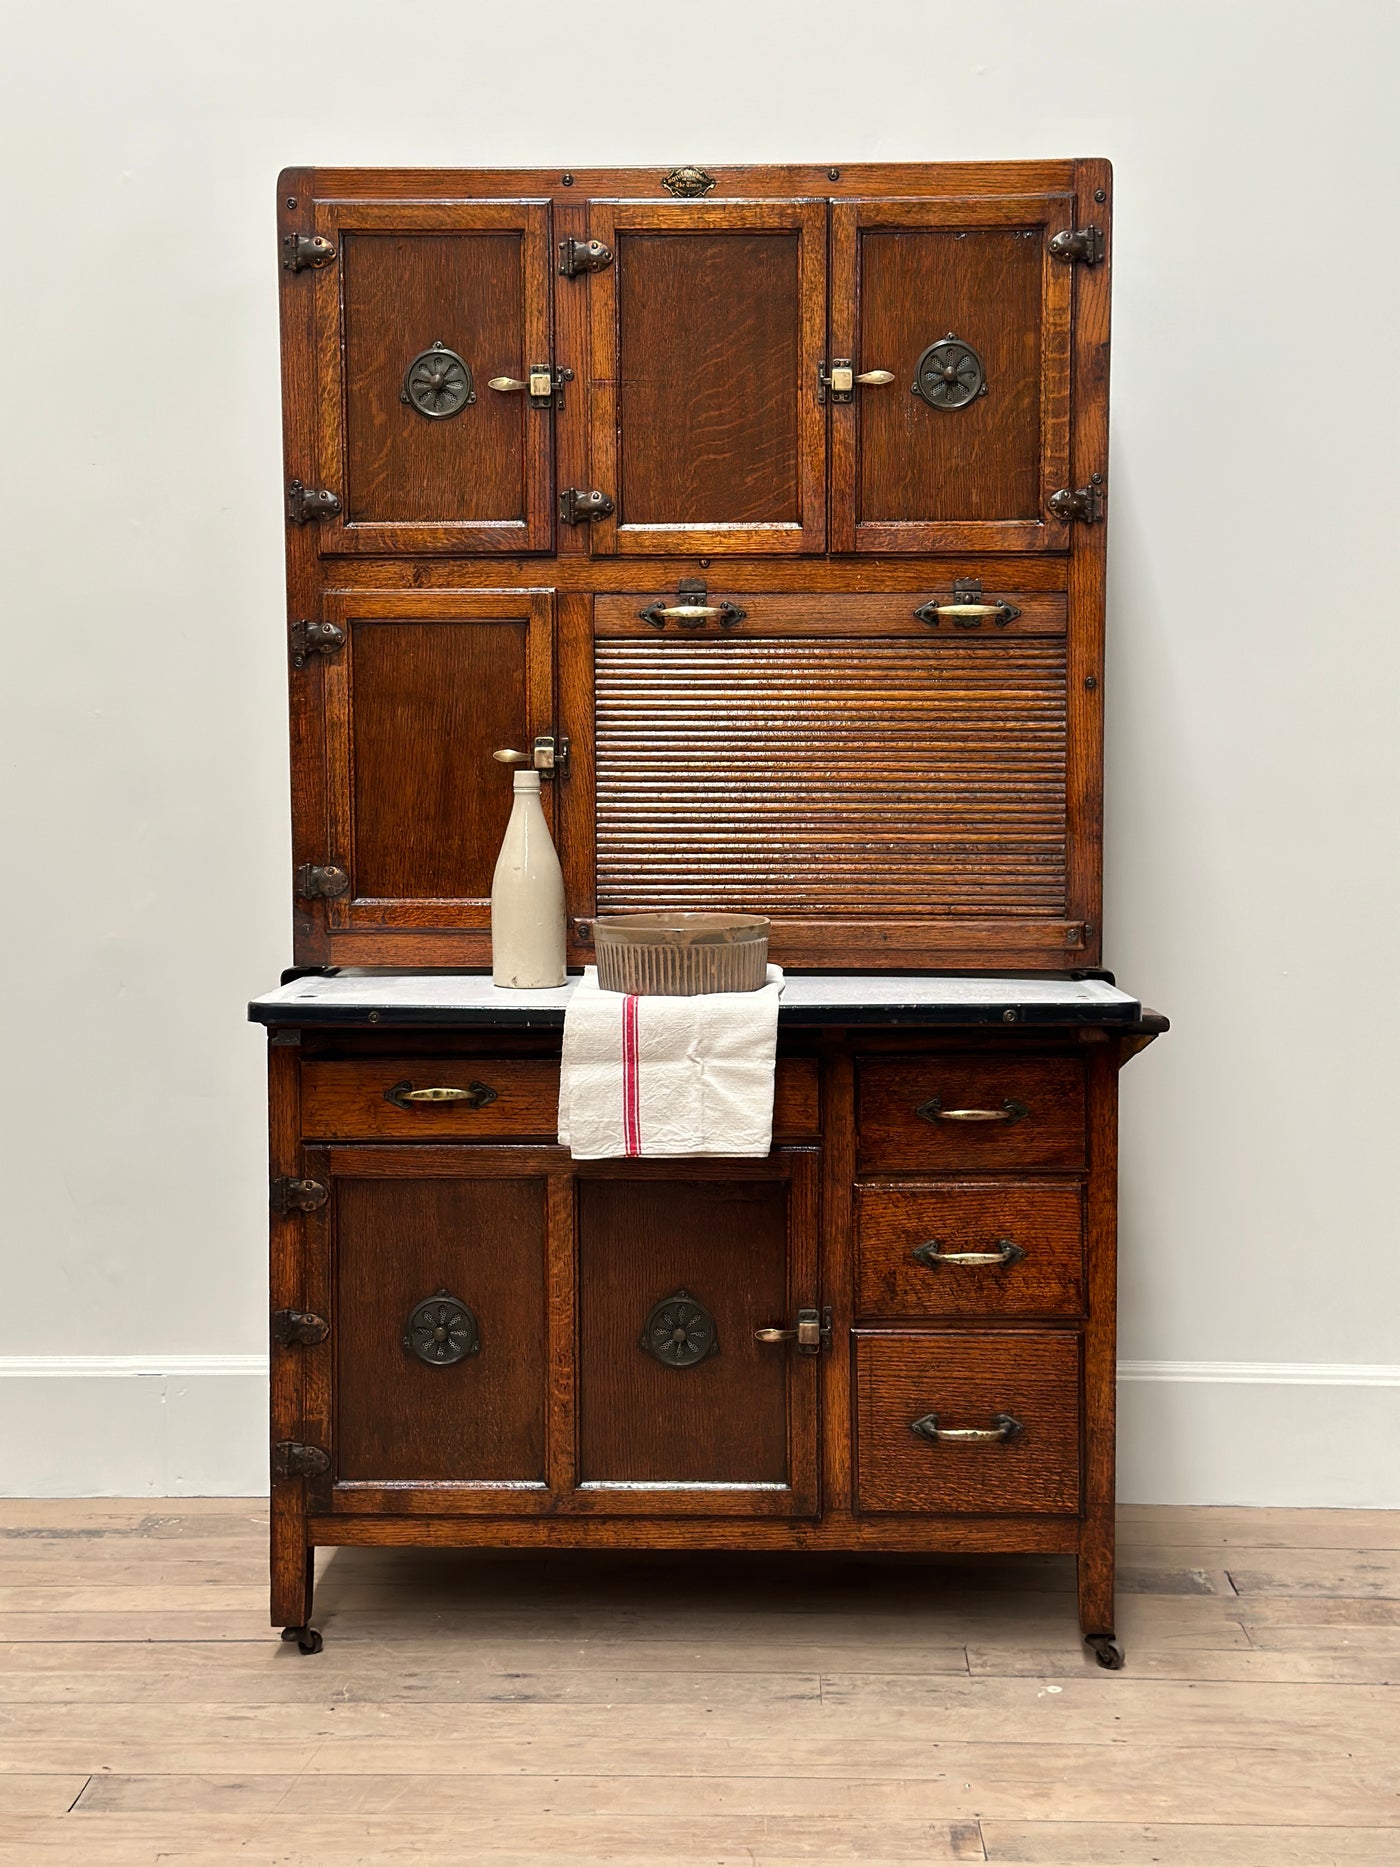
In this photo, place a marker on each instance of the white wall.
(1252, 748)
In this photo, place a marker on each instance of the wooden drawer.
(972, 1112)
(352, 1101)
(910, 1236)
(1024, 1385)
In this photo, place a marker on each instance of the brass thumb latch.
(812, 1334)
(548, 754)
(546, 385)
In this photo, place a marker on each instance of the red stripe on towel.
(631, 1079)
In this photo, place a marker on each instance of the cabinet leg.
(293, 1578)
(1096, 1613)
(308, 1638)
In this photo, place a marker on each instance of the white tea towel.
(668, 1076)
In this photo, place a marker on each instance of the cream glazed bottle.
(527, 896)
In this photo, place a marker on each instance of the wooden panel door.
(707, 337)
(425, 304)
(888, 786)
(961, 312)
(436, 1271)
(681, 1408)
(427, 686)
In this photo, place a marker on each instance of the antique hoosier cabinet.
(764, 510)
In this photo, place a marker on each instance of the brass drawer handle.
(932, 1254)
(1001, 1432)
(1010, 1111)
(692, 615)
(967, 615)
(405, 1096)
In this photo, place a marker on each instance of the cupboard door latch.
(545, 385)
(812, 1334)
(576, 506)
(549, 755)
(1084, 503)
(1082, 244)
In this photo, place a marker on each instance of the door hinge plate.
(314, 638)
(303, 251)
(291, 1459)
(288, 1195)
(1085, 503)
(1082, 244)
(305, 503)
(578, 256)
(292, 1326)
(576, 507)
(321, 882)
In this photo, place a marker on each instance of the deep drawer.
(1018, 1392)
(972, 1112)
(969, 1248)
(370, 1101)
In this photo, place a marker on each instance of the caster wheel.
(307, 1638)
(1106, 1651)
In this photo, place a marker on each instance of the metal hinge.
(291, 1459)
(290, 1326)
(577, 506)
(1083, 502)
(306, 250)
(1084, 244)
(310, 502)
(314, 638)
(576, 256)
(839, 382)
(317, 882)
(286, 1195)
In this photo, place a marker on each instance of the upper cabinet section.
(434, 378)
(761, 362)
(953, 317)
(708, 330)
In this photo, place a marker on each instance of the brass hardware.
(576, 506)
(692, 615)
(932, 1254)
(441, 1330)
(546, 386)
(323, 883)
(305, 250)
(949, 374)
(310, 502)
(576, 256)
(967, 609)
(875, 379)
(1002, 1431)
(812, 1334)
(838, 381)
(679, 1332)
(549, 754)
(292, 1326)
(314, 638)
(933, 1110)
(688, 182)
(1084, 244)
(1081, 502)
(404, 1096)
(438, 383)
(287, 1195)
(291, 1459)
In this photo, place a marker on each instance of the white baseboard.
(1190, 1432)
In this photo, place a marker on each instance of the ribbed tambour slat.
(865, 778)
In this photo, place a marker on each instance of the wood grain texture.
(1044, 1218)
(876, 779)
(894, 1134)
(967, 1380)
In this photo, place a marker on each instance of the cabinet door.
(425, 305)
(708, 334)
(426, 687)
(681, 1407)
(431, 1266)
(961, 306)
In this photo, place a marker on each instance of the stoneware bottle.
(527, 896)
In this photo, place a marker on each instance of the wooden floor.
(693, 1711)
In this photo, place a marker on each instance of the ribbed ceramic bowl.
(680, 955)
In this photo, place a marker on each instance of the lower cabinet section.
(975, 1422)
